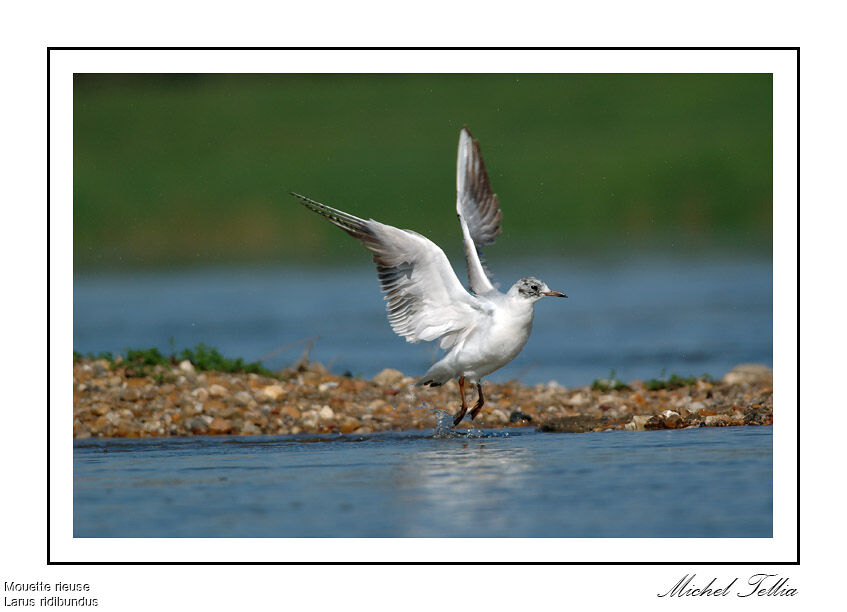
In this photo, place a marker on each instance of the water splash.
(444, 424)
(444, 427)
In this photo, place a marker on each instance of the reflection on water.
(708, 482)
(468, 485)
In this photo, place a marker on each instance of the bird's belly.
(494, 349)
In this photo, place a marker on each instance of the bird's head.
(530, 288)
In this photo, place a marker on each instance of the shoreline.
(111, 400)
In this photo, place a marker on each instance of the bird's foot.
(479, 402)
(460, 415)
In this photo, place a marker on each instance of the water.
(707, 482)
(639, 317)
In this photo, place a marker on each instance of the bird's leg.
(479, 402)
(464, 408)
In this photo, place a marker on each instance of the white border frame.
(779, 549)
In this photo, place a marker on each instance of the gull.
(480, 330)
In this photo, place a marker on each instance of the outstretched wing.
(425, 299)
(478, 209)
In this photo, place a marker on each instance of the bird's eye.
(535, 287)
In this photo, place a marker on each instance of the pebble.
(672, 420)
(656, 421)
(186, 366)
(349, 425)
(638, 422)
(388, 377)
(130, 394)
(375, 405)
(218, 391)
(108, 401)
(747, 373)
(250, 428)
(579, 399)
(196, 425)
(717, 420)
(291, 411)
(496, 417)
(220, 426)
(243, 397)
(214, 406)
(310, 418)
(273, 392)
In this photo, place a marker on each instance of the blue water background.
(639, 316)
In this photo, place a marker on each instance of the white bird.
(481, 330)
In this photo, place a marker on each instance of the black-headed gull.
(481, 330)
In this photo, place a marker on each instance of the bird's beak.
(555, 294)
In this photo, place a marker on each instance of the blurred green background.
(174, 170)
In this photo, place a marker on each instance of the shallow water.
(640, 317)
(707, 482)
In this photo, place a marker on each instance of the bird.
(480, 329)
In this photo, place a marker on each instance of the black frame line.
(613, 563)
(423, 49)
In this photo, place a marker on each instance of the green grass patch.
(94, 356)
(147, 357)
(151, 362)
(612, 383)
(208, 358)
(675, 382)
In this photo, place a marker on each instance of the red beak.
(555, 294)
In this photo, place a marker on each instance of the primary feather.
(478, 209)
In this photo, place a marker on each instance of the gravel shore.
(114, 401)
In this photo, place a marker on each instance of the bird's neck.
(521, 307)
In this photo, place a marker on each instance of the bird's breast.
(512, 329)
(502, 339)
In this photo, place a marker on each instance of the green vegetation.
(146, 357)
(205, 358)
(150, 362)
(675, 382)
(612, 383)
(184, 169)
(102, 355)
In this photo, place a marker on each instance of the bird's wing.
(425, 299)
(478, 209)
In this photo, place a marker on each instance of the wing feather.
(478, 209)
(425, 300)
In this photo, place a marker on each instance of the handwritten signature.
(760, 585)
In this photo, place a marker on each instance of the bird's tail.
(434, 377)
(424, 382)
